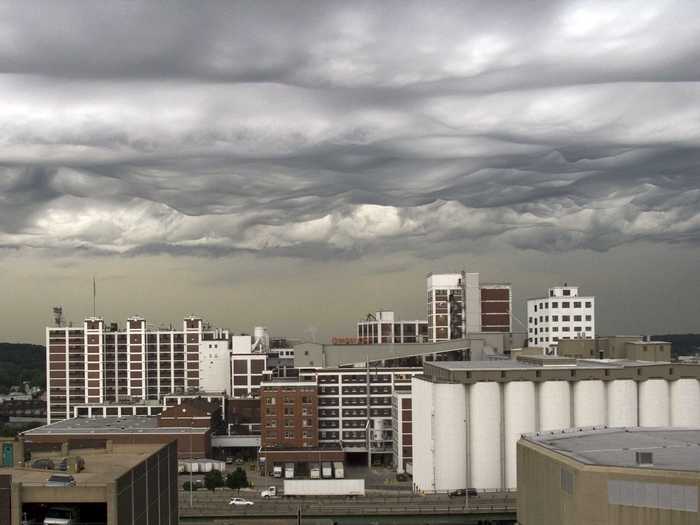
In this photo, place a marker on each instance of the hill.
(21, 362)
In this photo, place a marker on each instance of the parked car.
(229, 460)
(61, 480)
(61, 516)
(240, 502)
(43, 463)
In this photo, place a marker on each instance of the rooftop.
(100, 467)
(110, 425)
(672, 448)
(537, 362)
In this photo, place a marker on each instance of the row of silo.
(490, 417)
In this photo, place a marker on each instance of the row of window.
(564, 304)
(555, 318)
(563, 329)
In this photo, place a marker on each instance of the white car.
(240, 501)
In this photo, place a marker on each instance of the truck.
(324, 487)
(269, 492)
(61, 516)
(315, 471)
(277, 471)
(338, 468)
(289, 471)
(326, 470)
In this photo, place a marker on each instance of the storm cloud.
(328, 129)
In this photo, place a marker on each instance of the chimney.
(643, 458)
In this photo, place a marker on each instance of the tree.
(237, 480)
(213, 479)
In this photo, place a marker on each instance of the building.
(215, 366)
(468, 416)
(402, 431)
(192, 413)
(246, 374)
(382, 327)
(458, 304)
(632, 347)
(562, 314)
(289, 414)
(131, 483)
(95, 364)
(191, 442)
(609, 475)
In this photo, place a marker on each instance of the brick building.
(94, 363)
(289, 414)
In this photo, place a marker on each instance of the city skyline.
(300, 164)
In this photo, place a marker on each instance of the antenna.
(94, 296)
(58, 315)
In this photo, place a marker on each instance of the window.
(288, 411)
(567, 292)
(565, 318)
(555, 318)
(271, 423)
(529, 319)
(306, 400)
(541, 318)
(288, 434)
(577, 318)
(565, 304)
(555, 329)
(565, 329)
(588, 318)
(270, 411)
(577, 328)
(589, 329)
(588, 304)
(555, 305)
(306, 423)
(577, 304)
(289, 423)
(535, 308)
(270, 400)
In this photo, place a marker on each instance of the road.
(215, 504)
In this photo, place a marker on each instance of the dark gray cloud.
(334, 129)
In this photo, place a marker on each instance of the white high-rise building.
(563, 314)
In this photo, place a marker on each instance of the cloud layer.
(329, 129)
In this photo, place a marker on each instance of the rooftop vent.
(644, 458)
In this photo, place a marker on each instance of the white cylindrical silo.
(685, 403)
(519, 418)
(589, 403)
(654, 403)
(485, 435)
(622, 403)
(194, 467)
(450, 436)
(554, 405)
(422, 446)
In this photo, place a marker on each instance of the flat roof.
(540, 362)
(110, 425)
(671, 448)
(100, 467)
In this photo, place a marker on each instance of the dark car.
(471, 492)
(43, 463)
(61, 480)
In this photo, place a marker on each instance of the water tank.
(485, 435)
(622, 403)
(205, 466)
(194, 467)
(589, 403)
(654, 403)
(554, 399)
(554, 405)
(685, 403)
(519, 417)
(450, 436)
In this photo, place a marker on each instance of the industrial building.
(402, 431)
(632, 347)
(119, 484)
(459, 304)
(468, 416)
(383, 327)
(562, 314)
(638, 476)
(191, 442)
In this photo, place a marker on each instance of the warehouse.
(497, 401)
(622, 475)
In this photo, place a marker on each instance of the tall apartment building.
(94, 363)
(459, 304)
(383, 327)
(562, 314)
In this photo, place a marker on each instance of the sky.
(300, 164)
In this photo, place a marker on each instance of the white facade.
(215, 366)
(470, 430)
(562, 314)
(446, 311)
(241, 344)
(402, 431)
